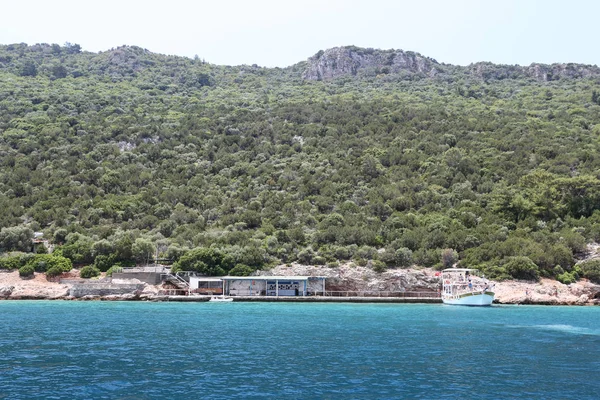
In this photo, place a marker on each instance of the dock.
(313, 299)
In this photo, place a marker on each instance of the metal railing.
(177, 280)
(348, 293)
(148, 268)
(383, 293)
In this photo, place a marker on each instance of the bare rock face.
(356, 61)
(353, 278)
(6, 291)
(539, 72)
(544, 72)
(351, 60)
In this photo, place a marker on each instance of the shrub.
(318, 260)
(333, 264)
(39, 263)
(577, 272)
(60, 262)
(89, 272)
(343, 253)
(361, 261)
(591, 270)
(378, 266)
(522, 268)
(566, 278)
(104, 262)
(25, 258)
(404, 257)
(43, 262)
(26, 271)
(494, 272)
(388, 257)
(305, 256)
(9, 263)
(54, 272)
(366, 252)
(428, 257)
(114, 268)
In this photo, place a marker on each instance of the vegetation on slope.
(123, 154)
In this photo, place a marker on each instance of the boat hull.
(471, 299)
(221, 299)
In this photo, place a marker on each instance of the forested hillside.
(120, 154)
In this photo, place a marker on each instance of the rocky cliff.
(539, 72)
(355, 61)
(351, 60)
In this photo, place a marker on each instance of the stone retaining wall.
(151, 278)
(104, 289)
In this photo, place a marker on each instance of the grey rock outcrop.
(85, 290)
(355, 61)
(539, 72)
(6, 291)
(351, 60)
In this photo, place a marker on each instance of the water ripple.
(70, 350)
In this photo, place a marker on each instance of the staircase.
(176, 280)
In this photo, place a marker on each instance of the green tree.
(208, 261)
(17, 238)
(143, 250)
(522, 268)
(29, 68)
(449, 258)
(241, 270)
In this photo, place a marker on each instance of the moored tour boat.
(464, 287)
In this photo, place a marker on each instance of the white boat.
(464, 287)
(220, 299)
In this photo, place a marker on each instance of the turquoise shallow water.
(119, 350)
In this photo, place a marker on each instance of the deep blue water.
(123, 350)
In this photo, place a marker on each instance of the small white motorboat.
(220, 299)
(464, 287)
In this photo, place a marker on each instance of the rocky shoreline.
(353, 280)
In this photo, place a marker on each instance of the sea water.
(135, 350)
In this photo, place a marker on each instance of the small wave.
(568, 329)
(576, 330)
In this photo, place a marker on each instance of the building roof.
(206, 278)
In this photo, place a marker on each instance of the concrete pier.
(314, 299)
